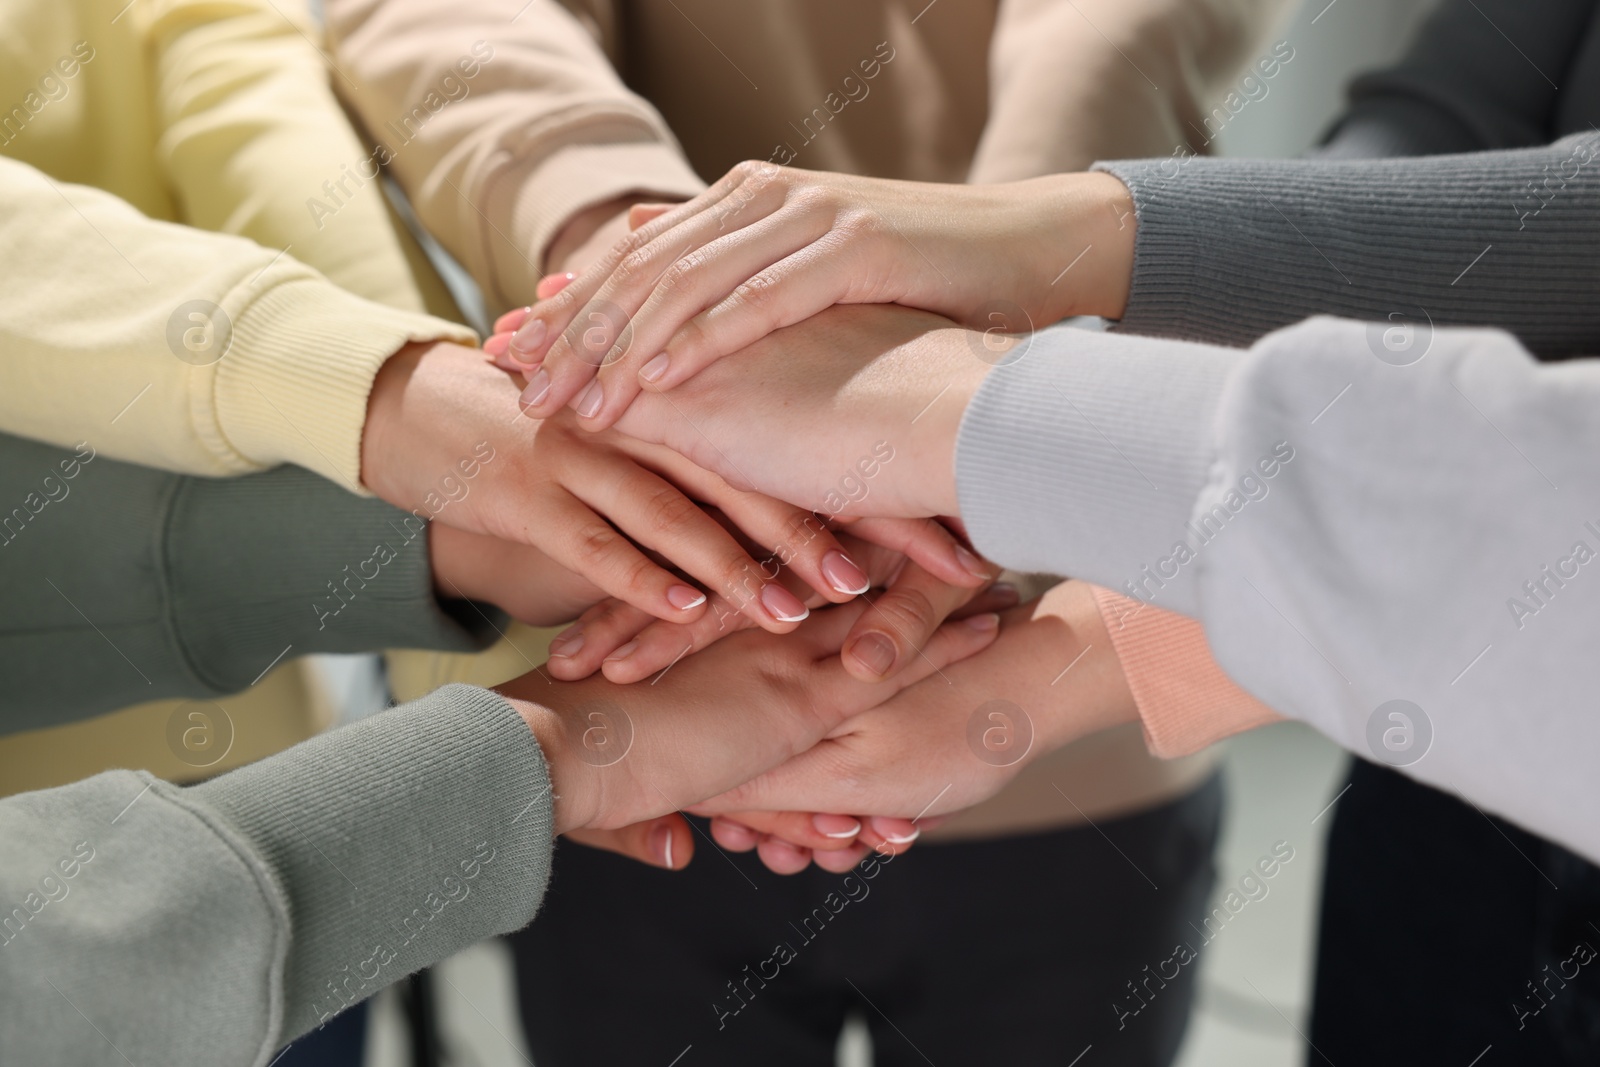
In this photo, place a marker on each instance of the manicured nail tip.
(793, 618)
(653, 370)
(624, 652)
(670, 865)
(589, 400)
(895, 839)
(843, 834)
(684, 598)
(985, 622)
(783, 605)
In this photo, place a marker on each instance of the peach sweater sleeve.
(501, 119)
(1073, 83)
(1185, 701)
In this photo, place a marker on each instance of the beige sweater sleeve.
(168, 346)
(1084, 80)
(501, 120)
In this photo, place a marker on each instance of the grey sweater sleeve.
(124, 583)
(1352, 525)
(1229, 250)
(147, 923)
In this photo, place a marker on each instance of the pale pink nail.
(782, 604)
(684, 597)
(624, 652)
(536, 389)
(590, 399)
(653, 370)
(837, 827)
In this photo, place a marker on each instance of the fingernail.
(782, 604)
(843, 574)
(683, 597)
(837, 827)
(590, 399)
(895, 838)
(661, 845)
(567, 643)
(873, 651)
(985, 622)
(526, 341)
(655, 368)
(624, 652)
(1005, 591)
(972, 563)
(537, 387)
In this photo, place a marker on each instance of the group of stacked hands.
(764, 449)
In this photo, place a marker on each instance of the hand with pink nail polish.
(444, 439)
(769, 246)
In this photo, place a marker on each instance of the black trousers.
(1011, 951)
(1446, 931)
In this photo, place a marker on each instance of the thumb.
(665, 842)
(639, 214)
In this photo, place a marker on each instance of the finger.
(781, 857)
(842, 695)
(1001, 596)
(595, 550)
(580, 649)
(780, 293)
(843, 861)
(664, 842)
(819, 833)
(900, 622)
(889, 836)
(928, 543)
(551, 284)
(693, 279)
(733, 835)
(661, 644)
(601, 332)
(640, 214)
(656, 514)
(556, 313)
(508, 322)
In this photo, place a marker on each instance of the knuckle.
(669, 511)
(909, 609)
(596, 545)
(758, 292)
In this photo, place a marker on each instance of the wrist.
(937, 425)
(1090, 259)
(574, 796)
(589, 234)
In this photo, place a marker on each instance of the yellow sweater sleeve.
(252, 141)
(165, 345)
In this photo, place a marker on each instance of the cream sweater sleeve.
(172, 347)
(251, 141)
(501, 119)
(1074, 82)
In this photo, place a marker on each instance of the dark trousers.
(1014, 951)
(1446, 931)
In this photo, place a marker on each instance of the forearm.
(528, 126)
(273, 896)
(203, 584)
(1274, 495)
(1488, 239)
(197, 353)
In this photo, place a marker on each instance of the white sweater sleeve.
(1356, 515)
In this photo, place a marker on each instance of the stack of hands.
(756, 523)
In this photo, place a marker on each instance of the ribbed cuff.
(1086, 457)
(310, 568)
(540, 195)
(400, 840)
(292, 387)
(1185, 702)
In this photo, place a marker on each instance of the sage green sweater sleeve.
(142, 922)
(124, 583)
